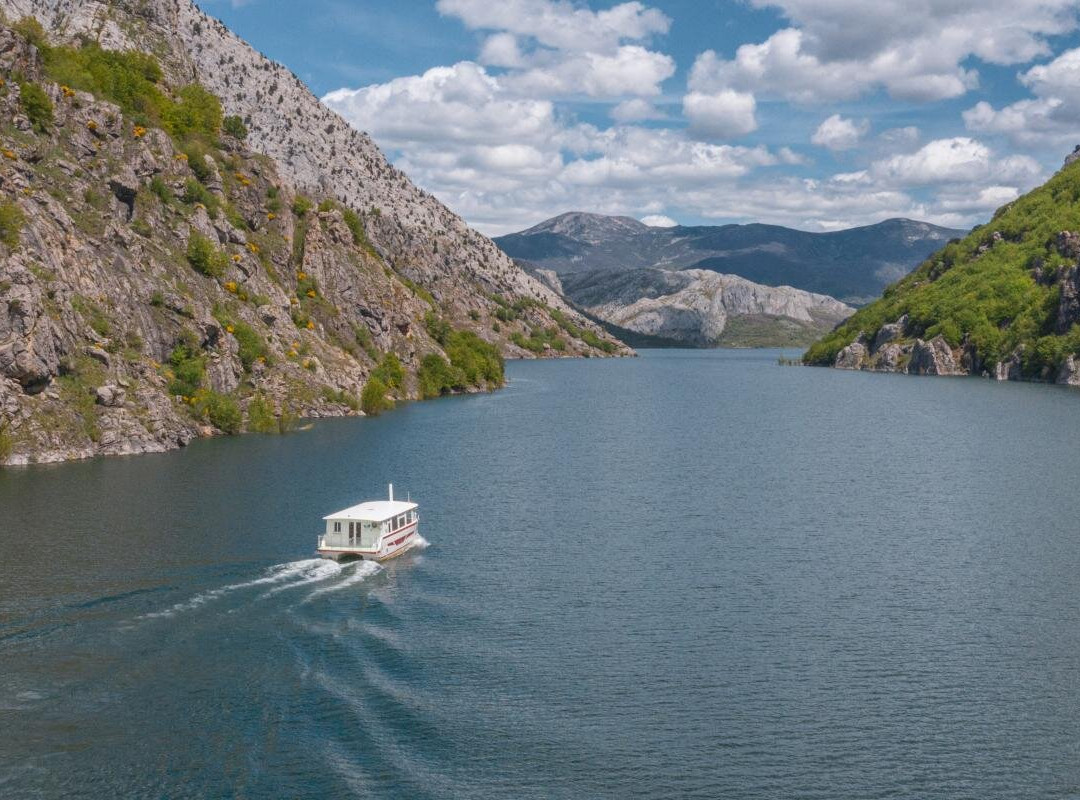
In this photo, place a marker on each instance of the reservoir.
(690, 574)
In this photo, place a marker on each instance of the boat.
(374, 530)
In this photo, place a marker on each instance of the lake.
(691, 574)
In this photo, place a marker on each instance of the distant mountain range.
(853, 265)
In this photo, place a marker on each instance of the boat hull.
(393, 544)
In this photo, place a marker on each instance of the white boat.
(373, 531)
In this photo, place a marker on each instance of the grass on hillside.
(982, 290)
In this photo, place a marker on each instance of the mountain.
(190, 244)
(1004, 302)
(699, 308)
(853, 265)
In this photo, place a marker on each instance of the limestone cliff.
(155, 286)
(701, 308)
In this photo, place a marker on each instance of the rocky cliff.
(165, 276)
(1004, 302)
(853, 265)
(700, 308)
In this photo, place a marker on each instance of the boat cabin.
(364, 527)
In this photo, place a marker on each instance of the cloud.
(843, 49)
(1051, 117)
(558, 24)
(839, 133)
(659, 221)
(725, 114)
(462, 103)
(957, 160)
(629, 70)
(635, 110)
(496, 140)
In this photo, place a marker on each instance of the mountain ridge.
(853, 265)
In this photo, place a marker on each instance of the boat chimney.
(391, 492)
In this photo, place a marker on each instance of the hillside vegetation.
(1001, 300)
(160, 279)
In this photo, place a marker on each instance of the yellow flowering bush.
(138, 132)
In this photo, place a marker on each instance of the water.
(693, 574)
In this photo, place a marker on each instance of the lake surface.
(692, 574)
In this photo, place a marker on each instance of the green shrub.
(195, 113)
(36, 105)
(221, 409)
(12, 220)
(340, 396)
(261, 417)
(205, 257)
(325, 205)
(437, 377)
(437, 327)
(234, 126)
(131, 80)
(390, 372)
(301, 205)
(252, 345)
(355, 226)
(478, 362)
(161, 190)
(373, 399)
(273, 201)
(30, 29)
(6, 444)
(188, 366)
(196, 153)
(594, 341)
(195, 192)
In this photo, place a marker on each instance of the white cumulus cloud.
(840, 133)
(725, 114)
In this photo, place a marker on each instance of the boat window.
(337, 527)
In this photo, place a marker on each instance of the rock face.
(853, 265)
(701, 308)
(934, 357)
(319, 258)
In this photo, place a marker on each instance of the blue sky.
(813, 113)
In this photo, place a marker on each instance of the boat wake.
(279, 576)
(362, 571)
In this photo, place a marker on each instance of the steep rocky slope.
(162, 278)
(699, 308)
(1004, 302)
(853, 265)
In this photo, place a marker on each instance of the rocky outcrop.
(852, 357)
(934, 357)
(701, 308)
(301, 284)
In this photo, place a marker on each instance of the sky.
(817, 114)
